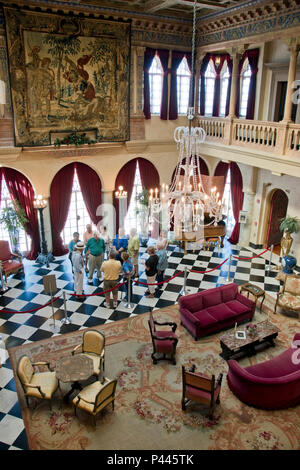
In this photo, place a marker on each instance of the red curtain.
(217, 88)
(173, 108)
(21, 189)
(163, 54)
(203, 68)
(237, 197)
(229, 65)
(90, 186)
(60, 198)
(125, 178)
(148, 58)
(252, 56)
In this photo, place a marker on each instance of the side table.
(255, 291)
(74, 369)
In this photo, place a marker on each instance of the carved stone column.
(236, 56)
(294, 50)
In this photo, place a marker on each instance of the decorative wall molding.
(246, 20)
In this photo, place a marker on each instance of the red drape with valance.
(21, 189)
(217, 88)
(177, 57)
(90, 186)
(148, 58)
(252, 56)
(163, 55)
(125, 178)
(60, 198)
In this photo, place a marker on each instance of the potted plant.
(288, 226)
(13, 217)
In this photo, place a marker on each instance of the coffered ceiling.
(183, 8)
(177, 9)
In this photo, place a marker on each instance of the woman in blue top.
(128, 272)
(162, 261)
(120, 242)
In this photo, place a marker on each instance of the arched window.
(78, 216)
(183, 86)
(132, 219)
(210, 76)
(156, 83)
(24, 239)
(245, 83)
(225, 76)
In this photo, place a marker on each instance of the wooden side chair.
(95, 397)
(36, 384)
(164, 342)
(10, 263)
(93, 346)
(201, 389)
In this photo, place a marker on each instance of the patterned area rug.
(148, 411)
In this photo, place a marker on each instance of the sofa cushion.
(212, 297)
(237, 307)
(164, 346)
(229, 292)
(204, 318)
(221, 312)
(278, 366)
(192, 302)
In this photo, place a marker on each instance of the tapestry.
(67, 74)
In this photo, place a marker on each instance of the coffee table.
(74, 369)
(255, 291)
(232, 346)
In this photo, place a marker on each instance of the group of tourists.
(115, 260)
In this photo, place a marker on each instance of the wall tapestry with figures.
(67, 74)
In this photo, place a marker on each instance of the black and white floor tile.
(27, 292)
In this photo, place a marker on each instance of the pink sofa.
(214, 309)
(270, 385)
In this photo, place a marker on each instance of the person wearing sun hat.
(78, 266)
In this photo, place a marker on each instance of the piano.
(210, 231)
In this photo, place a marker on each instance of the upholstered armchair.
(164, 342)
(289, 296)
(36, 384)
(10, 263)
(201, 389)
(92, 346)
(95, 397)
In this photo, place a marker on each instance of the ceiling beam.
(203, 4)
(151, 6)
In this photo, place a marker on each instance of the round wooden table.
(74, 369)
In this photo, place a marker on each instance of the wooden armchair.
(200, 388)
(95, 397)
(36, 384)
(8, 264)
(92, 346)
(164, 342)
(289, 296)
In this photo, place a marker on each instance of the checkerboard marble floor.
(27, 292)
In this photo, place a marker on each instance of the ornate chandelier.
(186, 202)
